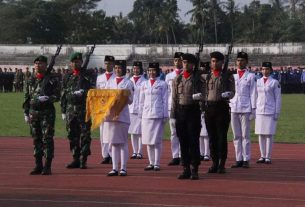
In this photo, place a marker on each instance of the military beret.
(41, 58)
(204, 64)
(267, 64)
(138, 63)
(217, 55)
(109, 58)
(76, 56)
(242, 55)
(120, 62)
(178, 54)
(189, 57)
(153, 65)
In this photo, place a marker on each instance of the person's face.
(216, 64)
(109, 66)
(76, 64)
(136, 70)
(241, 63)
(266, 71)
(152, 73)
(118, 70)
(40, 67)
(188, 66)
(178, 63)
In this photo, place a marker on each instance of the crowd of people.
(292, 79)
(199, 105)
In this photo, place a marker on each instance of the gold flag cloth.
(103, 102)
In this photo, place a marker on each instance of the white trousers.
(204, 146)
(175, 144)
(154, 153)
(265, 145)
(105, 147)
(119, 153)
(241, 131)
(136, 143)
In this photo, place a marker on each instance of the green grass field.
(291, 125)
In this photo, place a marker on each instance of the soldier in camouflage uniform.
(39, 112)
(73, 106)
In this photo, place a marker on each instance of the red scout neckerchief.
(265, 79)
(136, 78)
(216, 73)
(186, 74)
(152, 81)
(118, 80)
(178, 71)
(108, 75)
(76, 71)
(39, 76)
(241, 72)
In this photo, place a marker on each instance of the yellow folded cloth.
(101, 103)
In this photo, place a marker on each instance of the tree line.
(151, 22)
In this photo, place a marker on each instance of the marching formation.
(198, 102)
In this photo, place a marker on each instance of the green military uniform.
(41, 116)
(73, 106)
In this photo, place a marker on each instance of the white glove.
(276, 117)
(43, 98)
(63, 116)
(252, 115)
(26, 118)
(79, 92)
(197, 96)
(226, 94)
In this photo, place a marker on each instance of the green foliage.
(290, 126)
(150, 22)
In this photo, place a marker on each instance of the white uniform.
(267, 109)
(117, 131)
(135, 123)
(204, 139)
(103, 83)
(154, 113)
(243, 106)
(175, 145)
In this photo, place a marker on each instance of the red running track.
(279, 184)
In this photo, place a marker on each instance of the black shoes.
(74, 164)
(113, 173)
(149, 167)
(174, 161)
(106, 160)
(260, 160)
(221, 170)
(123, 172)
(139, 156)
(133, 156)
(46, 171)
(246, 164)
(186, 174)
(37, 170)
(237, 164)
(267, 161)
(194, 174)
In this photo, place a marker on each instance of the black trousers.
(217, 119)
(188, 126)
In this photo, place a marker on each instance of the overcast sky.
(114, 7)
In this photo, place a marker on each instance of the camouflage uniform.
(74, 107)
(42, 115)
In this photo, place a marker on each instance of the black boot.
(38, 166)
(221, 167)
(47, 167)
(186, 174)
(213, 168)
(194, 173)
(74, 164)
(83, 163)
